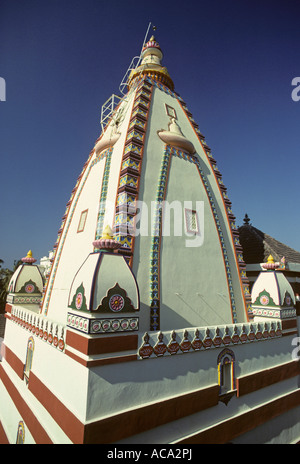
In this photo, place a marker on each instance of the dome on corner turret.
(26, 284)
(272, 294)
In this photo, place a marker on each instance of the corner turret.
(26, 284)
(103, 298)
(272, 294)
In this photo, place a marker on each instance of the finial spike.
(107, 242)
(246, 219)
(270, 265)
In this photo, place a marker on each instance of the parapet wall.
(156, 344)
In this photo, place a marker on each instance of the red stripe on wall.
(252, 382)
(93, 346)
(239, 425)
(67, 421)
(126, 424)
(3, 437)
(37, 431)
(13, 360)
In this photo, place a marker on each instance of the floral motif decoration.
(29, 288)
(79, 301)
(116, 301)
(99, 326)
(264, 299)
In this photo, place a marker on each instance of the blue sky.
(232, 62)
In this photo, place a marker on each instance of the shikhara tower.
(151, 154)
(144, 326)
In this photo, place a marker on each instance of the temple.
(144, 329)
(257, 246)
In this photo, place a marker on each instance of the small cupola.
(104, 286)
(26, 285)
(272, 294)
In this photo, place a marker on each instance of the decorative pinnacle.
(270, 264)
(107, 233)
(246, 219)
(152, 43)
(107, 242)
(29, 258)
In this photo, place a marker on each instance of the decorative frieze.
(158, 344)
(102, 325)
(23, 299)
(156, 237)
(275, 313)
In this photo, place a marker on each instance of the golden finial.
(270, 264)
(107, 242)
(29, 259)
(107, 233)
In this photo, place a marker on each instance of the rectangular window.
(82, 221)
(191, 220)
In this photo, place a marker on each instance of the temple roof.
(257, 246)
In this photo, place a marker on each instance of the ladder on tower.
(109, 107)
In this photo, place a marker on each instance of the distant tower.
(152, 178)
